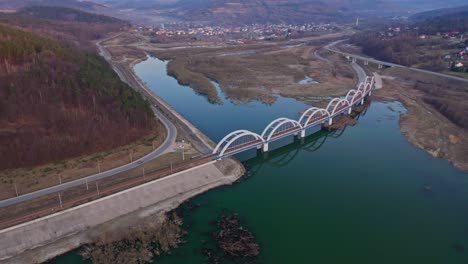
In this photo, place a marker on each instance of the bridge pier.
(362, 101)
(366, 63)
(380, 66)
(349, 110)
(330, 121)
(302, 133)
(265, 147)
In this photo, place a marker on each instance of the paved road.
(330, 48)
(361, 73)
(164, 148)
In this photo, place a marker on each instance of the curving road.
(165, 147)
(360, 72)
(329, 47)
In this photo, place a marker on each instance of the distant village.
(457, 41)
(238, 35)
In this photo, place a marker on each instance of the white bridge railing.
(242, 140)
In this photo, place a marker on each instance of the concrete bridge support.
(330, 121)
(380, 66)
(302, 135)
(349, 110)
(366, 63)
(265, 147)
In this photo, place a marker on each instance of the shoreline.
(435, 134)
(207, 177)
(69, 229)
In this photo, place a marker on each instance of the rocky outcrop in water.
(234, 239)
(138, 245)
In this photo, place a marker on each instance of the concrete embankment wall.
(50, 236)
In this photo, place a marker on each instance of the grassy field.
(255, 72)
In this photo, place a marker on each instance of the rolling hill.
(289, 11)
(59, 100)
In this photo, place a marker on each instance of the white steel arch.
(322, 111)
(293, 122)
(276, 124)
(362, 88)
(352, 95)
(273, 124)
(332, 106)
(368, 87)
(367, 79)
(307, 113)
(349, 96)
(232, 137)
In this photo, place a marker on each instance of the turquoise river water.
(362, 195)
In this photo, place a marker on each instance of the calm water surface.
(362, 195)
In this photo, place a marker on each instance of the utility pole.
(171, 166)
(97, 189)
(143, 173)
(99, 166)
(357, 21)
(60, 179)
(60, 200)
(183, 154)
(87, 186)
(16, 189)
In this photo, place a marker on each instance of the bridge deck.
(293, 130)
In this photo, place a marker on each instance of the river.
(362, 195)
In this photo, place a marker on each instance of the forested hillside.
(64, 24)
(57, 102)
(66, 14)
(457, 21)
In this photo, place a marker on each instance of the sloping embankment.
(50, 236)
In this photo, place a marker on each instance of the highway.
(165, 147)
(360, 72)
(329, 47)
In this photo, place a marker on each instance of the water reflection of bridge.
(282, 156)
(243, 140)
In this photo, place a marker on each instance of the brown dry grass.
(122, 53)
(32, 179)
(425, 127)
(271, 70)
(155, 169)
(124, 39)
